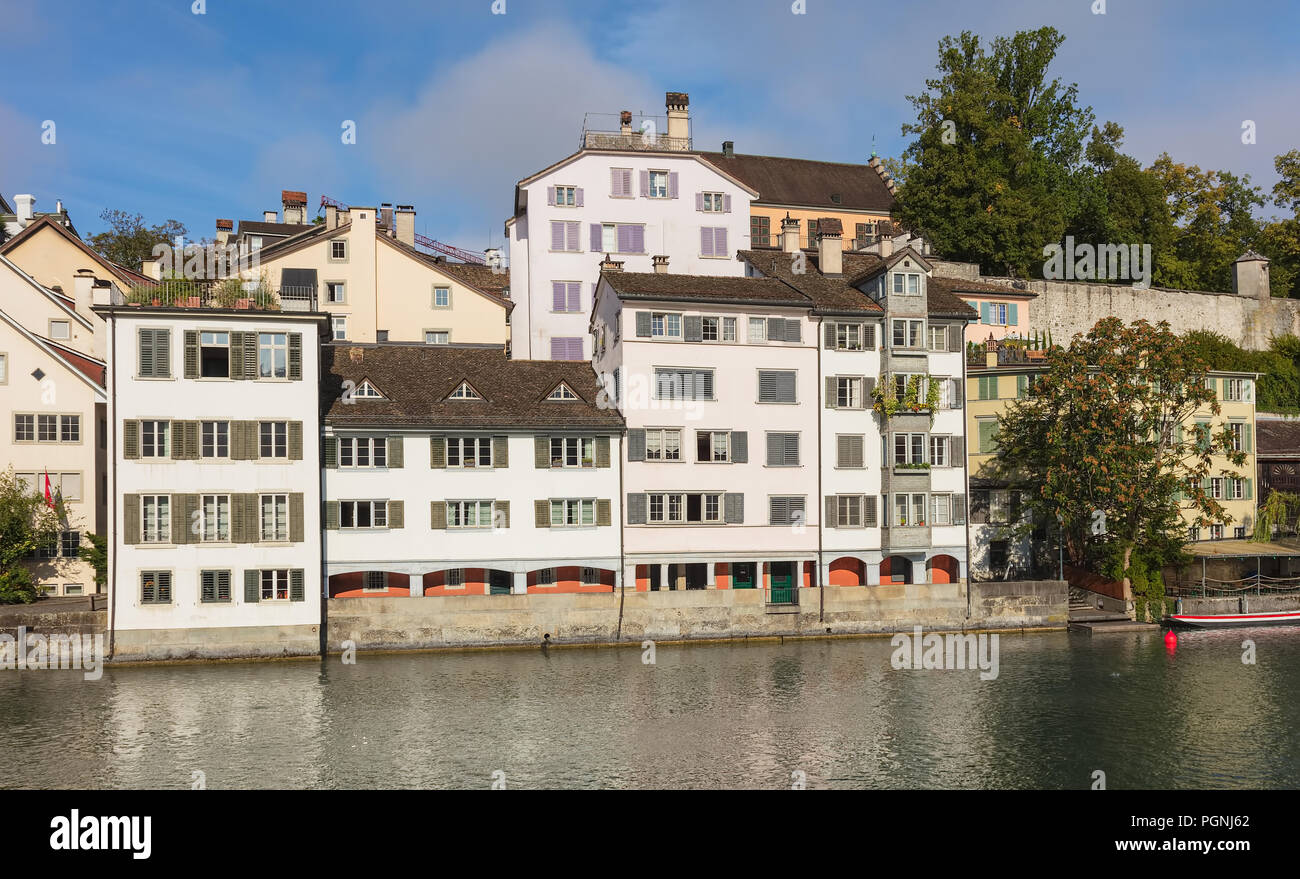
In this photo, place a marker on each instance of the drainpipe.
(965, 468)
(821, 499)
(622, 547)
(111, 545)
(320, 468)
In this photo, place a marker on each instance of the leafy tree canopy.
(128, 241)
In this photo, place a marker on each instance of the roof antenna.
(873, 146)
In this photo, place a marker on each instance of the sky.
(173, 114)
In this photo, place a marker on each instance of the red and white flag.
(49, 495)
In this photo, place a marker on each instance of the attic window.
(836, 198)
(464, 392)
(562, 392)
(368, 391)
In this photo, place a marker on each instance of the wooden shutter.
(130, 439)
(332, 515)
(437, 452)
(252, 586)
(394, 453)
(694, 328)
(636, 444)
(956, 451)
(236, 355)
(297, 585)
(636, 508)
(295, 356)
(550, 196)
(397, 514)
(332, 452)
(850, 451)
(602, 451)
(145, 352)
(959, 509)
(250, 356)
(253, 517)
(957, 394)
(240, 443)
(645, 184)
(597, 238)
(541, 453)
(832, 397)
(955, 334)
(869, 511)
(643, 324)
(500, 451)
(501, 513)
(191, 354)
(831, 517)
(131, 519)
(775, 329)
(184, 506)
(672, 184)
(237, 519)
(828, 336)
(739, 447)
(294, 431)
(735, 508)
(603, 512)
(794, 331)
(297, 531)
(541, 514)
(438, 515)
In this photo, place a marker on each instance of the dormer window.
(907, 284)
(368, 391)
(562, 392)
(465, 392)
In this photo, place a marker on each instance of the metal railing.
(227, 293)
(633, 140)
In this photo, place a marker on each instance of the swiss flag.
(49, 495)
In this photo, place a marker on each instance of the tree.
(992, 174)
(1103, 442)
(128, 242)
(1280, 239)
(1278, 387)
(26, 524)
(96, 555)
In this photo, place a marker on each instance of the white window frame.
(160, 505)
(463, 443)
(351, 448)
(456, 521)
(213, 530)
(573, 512)
(658, 451)
(279, 531)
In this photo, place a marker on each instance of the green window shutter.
(395, 451)
(191, 354)
(1178, 434)
(438, 515)
(541, 453)
(131, 519)
(332, 453)
(397, 514)
(1249, 442)
(603, 515)
(1012, 318)
(602, 451)
(988, 430)
(831, 516)
(253, 518)
(295, 356)
(295, 440)
(1022, 386)
(297, 531)
(252, 586)
(332, 515)
(501, 514)
(1248, 489)
(541, 514)
(438, 452)
(500, 451)
(145, 352)
(130, 439)
(297, 585)
(250, 356)
(984, 313)
(236, 355)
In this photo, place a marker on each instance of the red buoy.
(1171, 640)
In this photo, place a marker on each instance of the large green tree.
(1104, 441)
(128, 241)
(26, 523)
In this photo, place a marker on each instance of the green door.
(742, 575)
(499, 583)
(782, 583)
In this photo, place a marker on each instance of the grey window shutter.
(959, 509)
(541, 514)
(831, 518)
(252, 586)
(253, 518)
(869, 519)
(437, 452)
(636, 508)
(828, 335)
(162, 349)
(955, 334)
(236, 355)
(957, 451)
(295, 356)
(694, 327)
(958, 394)
(775, 449)
(332, 515)
(295, 440)
(438, 515)
(831, 398)
(794, 331)
(501, 514)
(541, 453)
(239, 441)
(735, 508)
(191, 354)
(395, 453)
(145, 354)
(397, 514)
(868, 386)
(297, 585)
(331, 452)
(786, 387)
(603, 512)
(740, 447)
(192, 449)
(131, 519)
(602, 451)
(296, 530)
(500, 451)
(237, 519)
(250, 355)
(130, 439)
(869, 337)
(184, 506)
(775, 329)
(643, 324)
(636, 445)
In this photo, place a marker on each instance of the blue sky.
(195, 117)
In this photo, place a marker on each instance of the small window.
(566, 196)
(464, 392)
(275, 585)
(336, 291)
(663, 445)
(658, 184)
(155, 587)
(728, 329)
(713, 446)
(70, 544)
(776, 386)
(25, 428)
(214, 355)
(376, 581)
(711, 202)
(60, 329)
(381, 335)
(69, 428)
(709, 329)
(275, 517)
(562, 392)
(757, 330)
(665, 326)
(273, 355)
(938, 338)
(274, 439)
(437, 337)
(214, 586)
(368, 391)
(441, 297)
(339, 324)
(455, 578)
(339, 249)
(155, 439)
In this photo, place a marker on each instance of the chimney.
(492, 257)
(295, 206)
(84, 291)
(830, 245)
(728, 148)
(386, 215)
(885, 238)
(679, 120)
(611, 265)
(24, 209)
(404, 221)
(625, 123)
(224, 230)
(269, 217)
(790, 235)
(151, 267)
(331, 216)
(1250, 276)
(660, 264)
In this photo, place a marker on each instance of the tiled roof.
(828, 294)
(261, 227)
(654, 285)
(93, 369)
(416, 380)
(976, 288)
(292, 196)
(943, 301)
(806, 183)
(1275, 437)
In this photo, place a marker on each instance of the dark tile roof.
(1277, 437)
(830, 226)
(261, 227)
(803, 182)
(828, 294)
(941, 299)
(976, 288)
(702, 288)
(416, 380)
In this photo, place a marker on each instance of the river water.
(825, 713)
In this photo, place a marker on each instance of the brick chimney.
(728, 148)
(1250, 276)
(404, 223)
(830, 245)
(660, 264)
(790, 235)
(885, 238)
(611, 265)
(225, 228)
(270, 217)
(625, 123)
(679, 119)
(295, 206)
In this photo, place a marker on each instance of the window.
(156, 518)
(69, 428)
(663, 445)
(368, 391)
(546, 577)
(469, 514)
(363, 451)
(998, 314)
(70, 544)
(812, 233)
(776, 386)
(909, 448)
(339, 249)
(713, 446)
(1216, 488)
(363, 514)
(69, 485)
(609, 237)
(214, 355)
(938, 338)
(665, 326)
(782, 449)
(562, 392)
(988, 387)
(709, 329)
(376, 581)
(999, 555)
(214, 586)
(590, 577)
(713, 241)
(1238, 429)
(273, 355)
(573, 513)
(760, 231)
(437, 337)
(572, 451)
(940, 509)
(908, 333)
(60, 329)
(988, 435)
(339, 325)
(566, 297)
(711, 202)
(849, 450)
(25, 428)
(47, 428)
(336, 291)
(785, 511)
(455, 578)
(1193, 534)
(566, 196)
(469, 451)
(1236, 489)
(728, 329)
(849, 510)
(681, 508)
(216, 518)
(4, 369)
(683, 384)
(566, 348)
(155, 587)
(909, 510)
(464, 392)
(72, 589)
(155, 353)
(658, 184)
(564, 235)
(275, 517)
(274, 440)
(848, 337)
(275, 585)
(939, 446)
(848, 393)
(757, 330)
(1216, 532)
(906, 284)
(155, 439)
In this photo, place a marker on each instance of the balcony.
(228, 293)
(907, 536)
(612, 131)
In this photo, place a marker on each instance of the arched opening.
(895, 569)
(369, 584)
(848, 571)
(943, 569)
(456, 581)
(571, 578)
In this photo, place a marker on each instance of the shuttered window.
(713, 241)
(155, 358)
(849, 450)
(566, 296)
(776, 386)
(155, 587)
(784, 510)
(214, 586)
(782, 449)
(683, 384)
(566, 348)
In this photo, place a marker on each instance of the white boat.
(1236, 619)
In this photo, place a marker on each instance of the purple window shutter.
(572, 229)
(720, 241)
(557, 296)
(557, 235)
(624, 238)
(638, 239)
(699, 201)
(726, 203)
(615, 181)
(557, 349)
(575, 348)
(596, 244)
(645, 184)
(706, 241)
(672, 184)
(550, 196)
(575, 296)
(579, 196)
